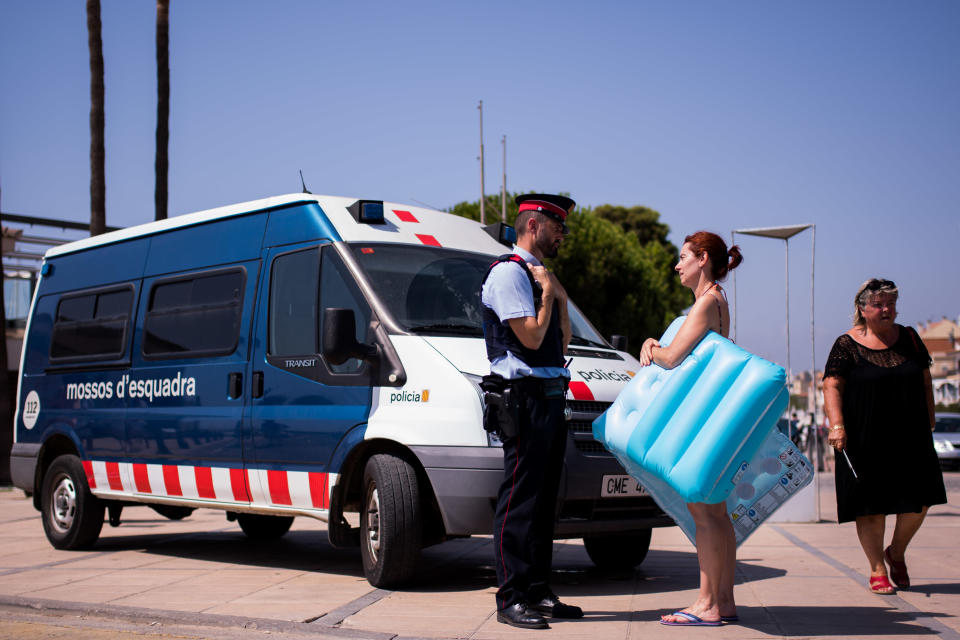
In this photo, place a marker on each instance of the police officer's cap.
(552, 206)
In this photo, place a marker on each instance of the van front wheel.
(390, 521)
(72, 516)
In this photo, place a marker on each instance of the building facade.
(942, 339)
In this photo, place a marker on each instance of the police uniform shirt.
(508, 293)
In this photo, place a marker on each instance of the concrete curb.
(183, 618)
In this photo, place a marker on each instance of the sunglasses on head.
(875, 284)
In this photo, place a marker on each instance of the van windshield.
(436, 291)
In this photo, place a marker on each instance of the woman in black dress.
(878, 397)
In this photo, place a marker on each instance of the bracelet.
(836, 427)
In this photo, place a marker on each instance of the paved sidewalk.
(201, 577)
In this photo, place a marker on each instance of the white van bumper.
(465, 481)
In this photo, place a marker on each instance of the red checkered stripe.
(406, 216)
(580, 391)
(265, 487)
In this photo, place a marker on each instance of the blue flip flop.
(729, 618)
(693, 621)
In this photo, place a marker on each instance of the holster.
(501, 407)
(504, 400)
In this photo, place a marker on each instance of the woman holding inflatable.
(704, 262)
(878, 396)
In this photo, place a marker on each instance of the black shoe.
(551, 607)
(518, 615)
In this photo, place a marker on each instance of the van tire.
(264, 528)
(72, 516)
(618, 552)
(391, 525)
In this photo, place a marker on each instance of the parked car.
(946, 440)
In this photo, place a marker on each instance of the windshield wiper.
(583, 342)
(467, 329)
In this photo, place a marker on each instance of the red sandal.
(898, 570)
(881, 586)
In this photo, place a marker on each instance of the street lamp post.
(785, 233)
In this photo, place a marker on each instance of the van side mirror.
(339, 342)
(618, 342)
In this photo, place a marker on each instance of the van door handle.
(257, 390)
(234, 385)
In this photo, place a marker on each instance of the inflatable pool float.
(705, 431)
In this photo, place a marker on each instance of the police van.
(295, 356)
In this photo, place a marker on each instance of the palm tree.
(163, 107)
(98, 188)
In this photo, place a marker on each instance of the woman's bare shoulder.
(714, 306)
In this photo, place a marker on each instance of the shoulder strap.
(719, 306)
(514, 258)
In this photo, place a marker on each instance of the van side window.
(199, 315)
(92, 325)
(339, 290)
(294, 280)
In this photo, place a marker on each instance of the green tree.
(623, 287)
(491, 205)
(642, 221)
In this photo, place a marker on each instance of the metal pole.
(483, 217)
(503, 184)
(813, 360)
(786, 253)
(733, 241)
(813, 334)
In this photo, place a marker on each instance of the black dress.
(887, 422)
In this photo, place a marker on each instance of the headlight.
(492, 439)
(942, 446)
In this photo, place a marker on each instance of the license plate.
(620, 487)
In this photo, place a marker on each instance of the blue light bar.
(367, 211)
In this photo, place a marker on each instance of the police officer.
(527, 329)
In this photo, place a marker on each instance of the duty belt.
(541, 387)
(503, 400)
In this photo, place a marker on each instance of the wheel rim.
(63, 506)
(373, 522)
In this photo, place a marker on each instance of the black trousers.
(526, 503)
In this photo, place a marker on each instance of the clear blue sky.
(720, 115)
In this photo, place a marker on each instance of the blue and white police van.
(299, 355)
